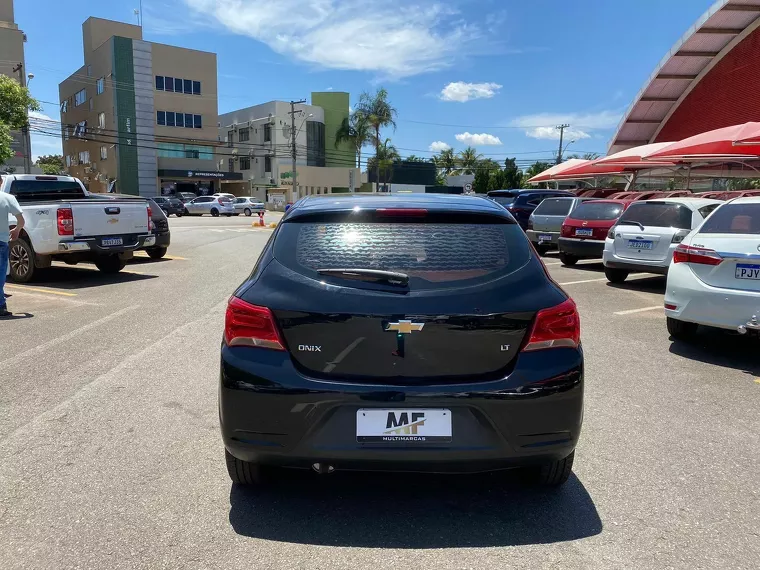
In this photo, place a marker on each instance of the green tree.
(468, 160)
(414, 158)
(15, 104)
(512, 174)
(378, 112)
(383, 161)
(445, 161)
(591, 156)
(51, 164)
(534, 170)
(480, 184)
(357, 131)
(497, 180)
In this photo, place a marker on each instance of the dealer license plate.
(106, 242)
(403, 425)
(747, 271)
(582, 232)
(544, 237)
(639, 244)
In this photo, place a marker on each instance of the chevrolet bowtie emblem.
(404, 327)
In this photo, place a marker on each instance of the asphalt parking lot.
(111, 457)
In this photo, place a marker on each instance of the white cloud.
(481, 139)
(461, 92)
(438, 146)
(543, 125)
(41, 116)
(393, 38)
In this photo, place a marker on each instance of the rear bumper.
(270, 413)
(163, 239)
(659, 266)
(585, 248)
(92, 245)
(697, 302)
(533, 235)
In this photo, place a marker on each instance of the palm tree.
(383, 161)
(468, 160)
(414, 158)
(446, 161)
(378, 112)
(355, 130)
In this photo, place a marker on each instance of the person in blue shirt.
(8, 206)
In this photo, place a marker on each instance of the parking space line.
(583, 281)
(553, 263)
(143, 254)
(38, 290)
(642, 310)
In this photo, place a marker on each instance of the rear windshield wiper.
(633, 223)
(369, 275)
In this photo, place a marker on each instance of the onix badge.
(404, 327)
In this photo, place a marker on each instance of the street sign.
(468, 187)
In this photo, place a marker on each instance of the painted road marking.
(757, 380)
(583, 281)
(39, 290)
(632, 311)
(553, 263)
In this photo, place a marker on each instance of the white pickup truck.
(64, 222)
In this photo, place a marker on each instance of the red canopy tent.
(737, 142)
(557, 169)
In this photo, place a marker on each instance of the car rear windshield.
(733, 219)
(554, 207)
(433, 255)
(598, 211)
(46, 189)
(503, 200)
(659, 215)
(224, 199)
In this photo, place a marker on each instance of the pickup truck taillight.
(65, 222)
(150, 219)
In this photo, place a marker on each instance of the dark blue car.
(522, 202)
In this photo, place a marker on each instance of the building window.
(84, 157)
(81, 129)
(192, 153)
(267, 164)
(180, 118)
(197, 122)
(188, 86)
(169, 84)
(267, 133)
(170, 118)
(64, 106)
(101, 120)
(103, 152)
(245, 163)
(177, 85)
(66, 133)
(188, 120)
(230, 136)
(160, 82)
(68, 161)
(244, 135)
(196, 87)
(231, 164)
(160, 117)
(100, 85)
(80, 97)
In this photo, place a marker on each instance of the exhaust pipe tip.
(322, 468)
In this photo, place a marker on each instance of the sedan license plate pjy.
(747, 271)
(108, 242)
(403, 425)
(639, 244)
(584, 232)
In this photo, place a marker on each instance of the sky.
(494, 74)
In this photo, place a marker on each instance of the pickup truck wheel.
(110, 263)
(21, 260)
(214, 212)
(247, 212)
(156, 252)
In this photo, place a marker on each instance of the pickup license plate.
(403, 425)
(747, 271)
(108, 242)
(639, 244)
(544, 237)
(582, 232)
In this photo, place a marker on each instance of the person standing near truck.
(8, 205)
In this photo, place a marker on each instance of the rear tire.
(214, 212)
(615, 275)
(681, 330)
(247, 212)
(551, 474)
(110, 264)
(21, 259)
(567, 259)
(244, 472)
(542, 250)
(156, 252)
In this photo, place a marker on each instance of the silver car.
(214, 205)
(546, 220)
(248, 206)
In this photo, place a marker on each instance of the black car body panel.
(474, 310)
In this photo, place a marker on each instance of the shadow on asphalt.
(80, 278)
(137, 260)
(653, 284)
(17, 317)
(412, 511)
(595, 266)
(721, 348)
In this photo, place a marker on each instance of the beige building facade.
(140, 117)
(11, 55)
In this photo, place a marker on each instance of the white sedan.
(714, 279)
(648, 232)
(248, 205)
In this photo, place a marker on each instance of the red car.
(585, 229)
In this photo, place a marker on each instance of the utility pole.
(293, 143)
(26, 143)
(561, 136)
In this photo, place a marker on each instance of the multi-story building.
(13, 65)
(140, 117)
(258, 145)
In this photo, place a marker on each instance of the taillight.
(679, 236)
(401, 212)
(555, 327)
(530, 223)
(249, 325)
(611, 233)
(65, 222)
(565, 231)
(150, 219)
(699, 255)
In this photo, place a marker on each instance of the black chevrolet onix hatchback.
(400, 333)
